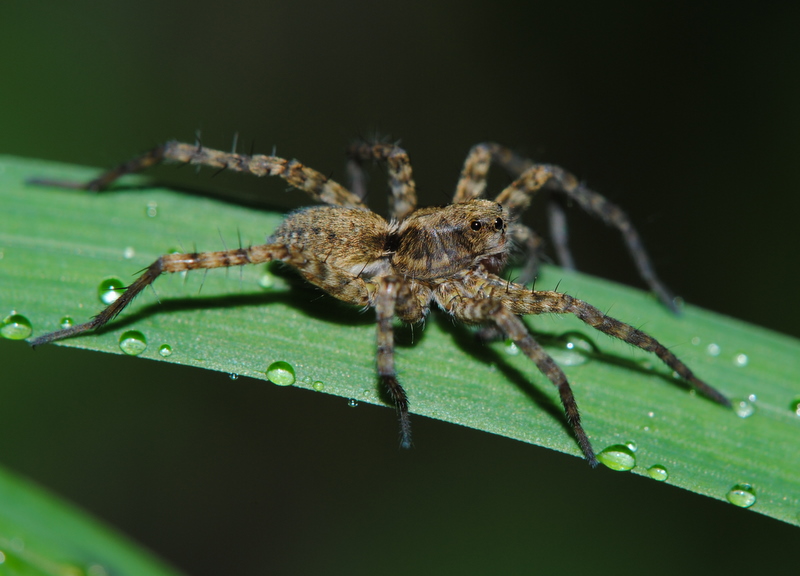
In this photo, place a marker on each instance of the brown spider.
(448, 255)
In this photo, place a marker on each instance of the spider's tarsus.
(72, 185)
(61, 334)
(405, 432)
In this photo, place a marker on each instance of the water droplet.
(713, 349)
(128, 253)
(165, 350)
(696, 341)
(618, 457)
(2, 557)
(15, 327)
(743, 408)
(233, 376)
(132, 342)
(795, 406)
(66, 322)
(318, 386)
(658, 472)
(352, 402)
(267, 280)
(631, 445)
(741, 360)
(742, 495)
(511, 348)
(110, 289)
(152, 209)
(281, 373)
(575, 349)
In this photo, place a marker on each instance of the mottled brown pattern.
(449, 255)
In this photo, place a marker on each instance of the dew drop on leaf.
(281, 373)
(658, 472)
(110, 289)
(15, 327)
(132, 342)
(742, 495)
(574, 349)
(618, 457)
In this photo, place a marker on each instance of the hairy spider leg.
(521, 300)
(385, 300)
(316, 185)
(472, 184)
(482, 310)
(401, 180)
(559, 232)
(502, 302)
(167, 264)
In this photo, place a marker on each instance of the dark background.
(683, 115)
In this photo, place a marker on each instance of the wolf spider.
(449, 255)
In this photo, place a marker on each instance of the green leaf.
(59, 245)
(42, 536)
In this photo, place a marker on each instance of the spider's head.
(442, 241)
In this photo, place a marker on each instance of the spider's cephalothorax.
(449, 255)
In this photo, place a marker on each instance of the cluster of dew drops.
(574, 349)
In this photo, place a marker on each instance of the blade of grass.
(41, 535)
(59, 245)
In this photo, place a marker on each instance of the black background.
(685, 115)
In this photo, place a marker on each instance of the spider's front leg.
(318, 186)
(385, 300)
(482, 310)
(518, 195)
(173, 263)
(542, 302)
(520, 300)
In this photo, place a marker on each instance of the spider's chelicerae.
(448, 255)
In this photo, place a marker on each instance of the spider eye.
(475, 225)
(498, 224)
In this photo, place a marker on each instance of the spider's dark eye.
(498, 224)
(475, 225)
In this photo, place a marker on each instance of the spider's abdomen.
(347, 238)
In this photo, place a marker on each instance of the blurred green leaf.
(42, 536)
(59, 245)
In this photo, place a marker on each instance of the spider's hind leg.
(167, 264)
